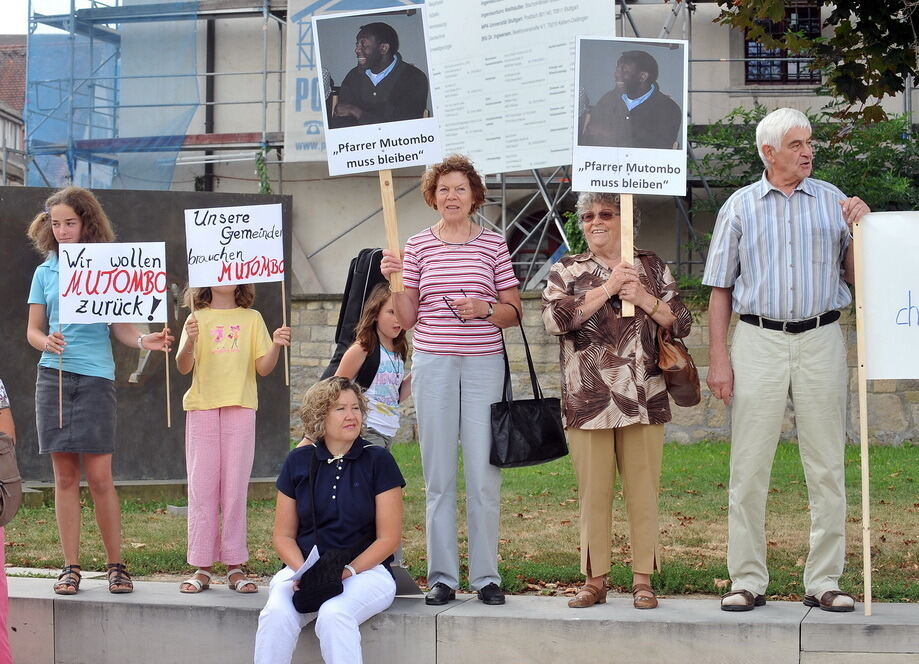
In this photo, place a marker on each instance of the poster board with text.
(380, 110)
(890, 294)
(113, 282)
(234, 245)
(630, 116)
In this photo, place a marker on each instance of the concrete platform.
(156, 624)
(36, 494)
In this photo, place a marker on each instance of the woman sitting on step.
(353, 496)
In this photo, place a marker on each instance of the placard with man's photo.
(630, 116)
(379, 109)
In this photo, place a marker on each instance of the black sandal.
(68, 583)
(119, 581)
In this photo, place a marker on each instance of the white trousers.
(768, 366)
(337, 621)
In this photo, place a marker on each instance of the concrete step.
(158, 625)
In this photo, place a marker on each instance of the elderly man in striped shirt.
(780, 255)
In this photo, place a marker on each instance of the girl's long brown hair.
(366, 330)
(96, 226)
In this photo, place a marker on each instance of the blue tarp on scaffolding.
(108, 104)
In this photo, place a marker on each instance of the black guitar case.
(363, 274)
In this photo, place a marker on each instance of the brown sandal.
(827, 599)
(68, 583)
(750, 601)
(119, 581)
(588, 595)
(643, 601)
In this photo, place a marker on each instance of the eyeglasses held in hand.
(452, 310)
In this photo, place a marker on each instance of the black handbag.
(322, 581)
(525, 432)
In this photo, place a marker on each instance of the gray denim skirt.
(88, 404)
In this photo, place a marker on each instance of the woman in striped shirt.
(460, 289)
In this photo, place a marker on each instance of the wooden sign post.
(391, 225)
(627, 241)
(60, 391)
(284, 324)
(168, 394)
(863, 415)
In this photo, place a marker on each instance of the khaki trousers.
(768, 366)
(636, 451)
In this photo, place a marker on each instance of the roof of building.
(13, 71)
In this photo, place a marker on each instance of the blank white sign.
(890, 294)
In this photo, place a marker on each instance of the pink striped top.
(480, 268)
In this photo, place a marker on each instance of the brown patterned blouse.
(609, 367)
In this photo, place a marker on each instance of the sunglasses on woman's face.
(605, 215)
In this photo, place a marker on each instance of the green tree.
(869, 54)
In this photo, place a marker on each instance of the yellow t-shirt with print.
(229, 342)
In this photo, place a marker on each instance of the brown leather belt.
(792, 326)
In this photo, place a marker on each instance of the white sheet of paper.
(309, 562)
(890, 244)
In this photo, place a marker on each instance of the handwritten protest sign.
(630, 120)
(113, 282)
(234, 245)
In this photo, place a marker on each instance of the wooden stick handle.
(391, 225)
(626, 241)
(284, 324)
(863, 417)
(60, 391)
(168, 395)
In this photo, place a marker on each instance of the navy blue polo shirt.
(345, 490)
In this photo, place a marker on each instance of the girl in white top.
(380, 340)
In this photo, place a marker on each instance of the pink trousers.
(5, 656)
(219, 449)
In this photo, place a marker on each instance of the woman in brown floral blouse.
(614, 399)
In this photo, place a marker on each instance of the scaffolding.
(76, 113)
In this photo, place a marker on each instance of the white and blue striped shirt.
(782, 254)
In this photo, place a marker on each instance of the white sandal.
(195, 583)
(239, 585)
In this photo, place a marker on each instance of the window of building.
(771, 65)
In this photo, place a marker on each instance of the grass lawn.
(539, 527)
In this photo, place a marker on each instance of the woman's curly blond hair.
(318, 401)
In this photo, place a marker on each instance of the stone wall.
(893, 406)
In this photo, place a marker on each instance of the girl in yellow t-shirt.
(226, 343)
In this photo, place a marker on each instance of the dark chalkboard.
(145, 448)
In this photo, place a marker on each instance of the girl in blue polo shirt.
(75, 414)
(355, 493)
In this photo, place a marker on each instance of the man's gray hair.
(772, 128)
(587, 199)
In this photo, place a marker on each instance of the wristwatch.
(491, 310)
